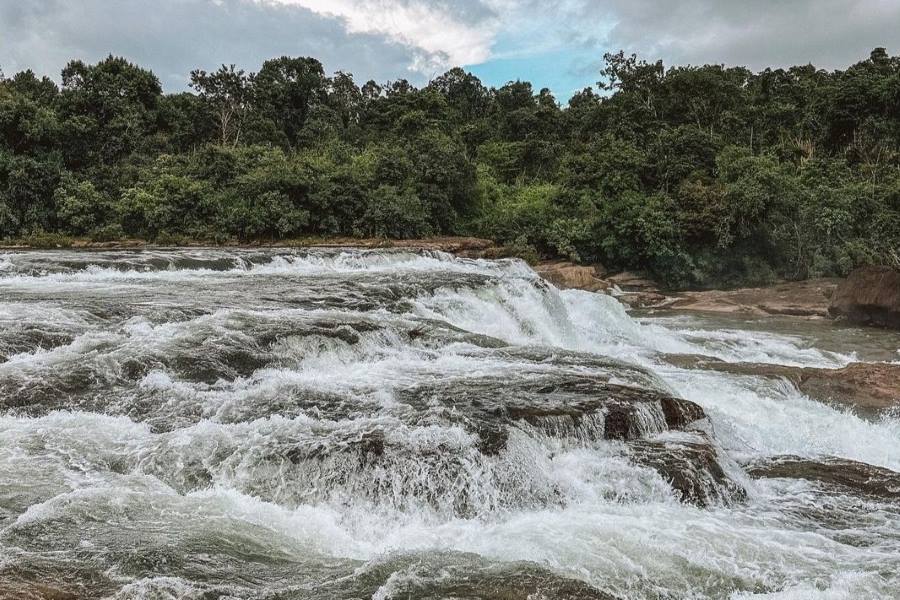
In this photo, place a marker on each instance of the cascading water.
(385, 424)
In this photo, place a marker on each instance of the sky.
(558, 45)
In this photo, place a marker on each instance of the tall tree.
(228, 93)
(113, 102)
(287, 90)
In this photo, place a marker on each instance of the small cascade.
(314, 424)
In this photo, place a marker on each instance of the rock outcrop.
(797, 299)
(861, 478)
(865, 386)
(808, 299)
(568, 275)
(870, 296)
(633, 282)
(691, 466)
(660, 431)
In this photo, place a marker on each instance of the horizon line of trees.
(699, 175)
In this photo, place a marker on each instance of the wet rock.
(799, 299)
(866, 386)
(679, 412)
(691, 466)
(210, 364)
(633, 282)
(635, 291)
(35, 591)
(579, 409)
(568, 275)
(368, 447)
(31, 338)
(462, 576)
(870, 386)
(869, 296)
(35, 577)
(507, 584)
(645, 299)
(858, 477)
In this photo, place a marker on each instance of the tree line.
(699, 175)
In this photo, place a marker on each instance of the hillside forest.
(698, 175)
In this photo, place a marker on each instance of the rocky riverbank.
(395, 414)
(870, 296)
(809, 299)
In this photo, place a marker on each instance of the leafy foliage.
(700, 175)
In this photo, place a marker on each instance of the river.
(292, 424)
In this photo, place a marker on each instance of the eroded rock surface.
(568, 275)
(798, 299)
(866, 386)
(583, 409)
(691, 465)
(860, 478)
(870, 296)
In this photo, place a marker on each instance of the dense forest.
(702, 176)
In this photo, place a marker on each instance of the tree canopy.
(700, 175)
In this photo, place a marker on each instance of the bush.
(80, 207)
(108, 233)
(394, 213)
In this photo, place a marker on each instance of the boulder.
(869, 386)
(691, 466)
(870, 296)
(568, 275)
(575, 408)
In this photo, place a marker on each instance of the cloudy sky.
(553, 44)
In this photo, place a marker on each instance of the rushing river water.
(380, 424)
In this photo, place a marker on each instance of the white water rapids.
(337, 424)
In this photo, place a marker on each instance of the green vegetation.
(699, 175)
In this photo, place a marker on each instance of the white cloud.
(387, 39)
(443, 37)
(172, 37)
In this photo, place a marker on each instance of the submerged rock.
(448, 469)
(858, 477)
(870, 296)
(691, 466)
(581, 409)
(461, 576)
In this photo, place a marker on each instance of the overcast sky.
(553, 44)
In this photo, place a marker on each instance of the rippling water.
(383, 424)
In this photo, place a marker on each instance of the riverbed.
(305, 424)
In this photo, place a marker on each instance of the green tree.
(227, 92)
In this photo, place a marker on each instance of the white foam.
(578, 507)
